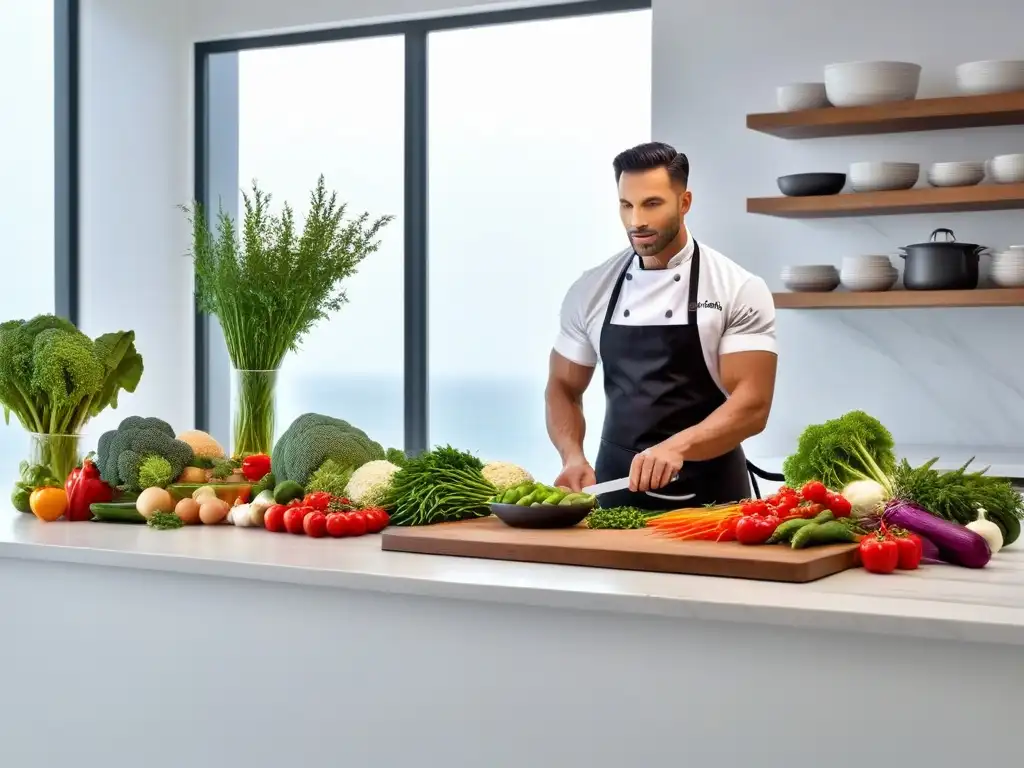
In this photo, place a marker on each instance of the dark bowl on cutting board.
(544, 516)
(811, 184)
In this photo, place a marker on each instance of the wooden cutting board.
(641, 550)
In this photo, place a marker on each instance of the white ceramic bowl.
(810, 270)
(797, 96)
(957, 174)
(881, 176)
(1008, 277)
(866, 263)
(801, 285)
(979, 77)
(880, 280)
(1013, 255)
(860, 83)
(1006, 169)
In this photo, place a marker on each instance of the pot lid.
(948, 241)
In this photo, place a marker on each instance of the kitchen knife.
(610, 486)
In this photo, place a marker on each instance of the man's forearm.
(728, 425)
(565, 422)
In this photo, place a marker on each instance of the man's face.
(652, 207)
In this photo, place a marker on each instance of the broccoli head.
(312, 439)
(125, 453)
(54, 378)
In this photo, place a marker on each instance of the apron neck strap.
(691, 303)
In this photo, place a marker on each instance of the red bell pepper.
(879, 553)
(255, 467)
(84, 487)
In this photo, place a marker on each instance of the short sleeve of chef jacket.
(736, 312)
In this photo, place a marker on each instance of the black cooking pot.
(941, 265)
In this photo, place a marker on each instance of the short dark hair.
(654, 154)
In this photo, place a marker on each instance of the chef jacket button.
(626, 313)
(669, 313)
(676, 278)
(629, 276)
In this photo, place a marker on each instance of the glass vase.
(58, 453)
(254, 397)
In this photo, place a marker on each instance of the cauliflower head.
(504, 475)
(369, 485)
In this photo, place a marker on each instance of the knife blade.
(610, 486)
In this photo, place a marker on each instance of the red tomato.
(336, 525)
(315, 524)
(756, 507)
(318, 500)
(755, 529)
(839, 505)
(786, 505)
(273, 520)
(808, 510)
(356, 523)
(879, 554)
(376, 520)
(293, 517)
(814, 491)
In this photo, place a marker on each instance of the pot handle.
(943, 230)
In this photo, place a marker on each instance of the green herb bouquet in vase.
(268, 285)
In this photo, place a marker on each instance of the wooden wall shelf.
(898, 299)
(985, 197)
(896, 117)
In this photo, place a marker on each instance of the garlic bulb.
(988, 530)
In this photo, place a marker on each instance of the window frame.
(66, 16)
(216, 179)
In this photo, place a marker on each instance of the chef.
(686, 340)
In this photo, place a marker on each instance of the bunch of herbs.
(268, 285)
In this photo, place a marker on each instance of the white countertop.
(945, 602)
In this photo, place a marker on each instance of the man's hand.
(576, 475)
(655, 467)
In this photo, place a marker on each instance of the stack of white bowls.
(860, 83)
(979, 77)
(958, 174)
(1008, 267)
(1006, 169)
(868, 273)
(811, 278)
(879, 177)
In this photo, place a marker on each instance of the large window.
(26, 180)
(524, 122)
(490, 138)
(336, 108)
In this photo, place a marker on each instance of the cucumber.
(116, 512)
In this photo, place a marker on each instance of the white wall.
(136, 137)
(936, 377)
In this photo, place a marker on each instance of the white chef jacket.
(735, 309)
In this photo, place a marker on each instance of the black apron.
(657, 384)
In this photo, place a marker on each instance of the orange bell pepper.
(48, 504)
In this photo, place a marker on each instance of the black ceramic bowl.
(544, 516)
(810, 184)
